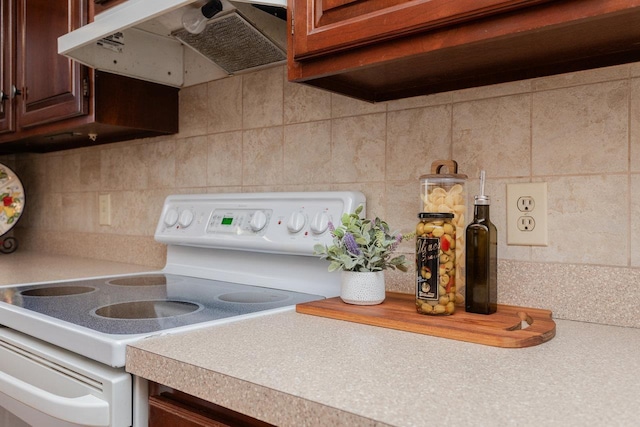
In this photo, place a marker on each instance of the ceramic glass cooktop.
(147, 303)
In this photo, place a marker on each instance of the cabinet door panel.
(51, 84)
(166, 413)
(328, 26)
(7, 42)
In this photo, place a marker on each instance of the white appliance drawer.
(45, 385)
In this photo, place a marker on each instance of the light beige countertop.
(27, 267)
(293, 369)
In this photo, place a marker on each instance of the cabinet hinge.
(292, 25)
(85, 87)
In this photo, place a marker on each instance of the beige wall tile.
(226, 189)
(343, 106)
(634, 126)
(374, 192)
(420, 101)
(596, 75)
(304, 103)
(161, 158)
(191, 162)
(634, 235)
(307, 153)
(44, 210)
(81, 170)
(135, 213)
(55, 173)
(33, 172)
(193, 117)
(262, 156)
(224, 159)
(125, 218)
(262, 98)
(584, 225)
(123, 167)
(492, 91)
(415, 138)
(401, 211)
(224, 105)
(358, 148)
(494, 135)
(582, 129)
(79, 212)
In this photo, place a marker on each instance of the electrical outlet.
(527, 214)
(526, 223)
(105, 209)
(526, 203)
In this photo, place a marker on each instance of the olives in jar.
(435, 264)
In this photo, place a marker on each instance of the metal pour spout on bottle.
(481, 256)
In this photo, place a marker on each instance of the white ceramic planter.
(362, 288)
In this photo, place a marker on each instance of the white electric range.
(229, 257)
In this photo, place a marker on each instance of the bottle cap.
(482, 200)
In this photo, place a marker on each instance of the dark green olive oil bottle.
(481, 256)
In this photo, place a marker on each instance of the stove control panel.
(290, 223)
(239, 221)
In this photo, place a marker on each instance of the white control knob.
(296, 222)
(186, 217)
(171, 218)
(258, 221)
(319, 223)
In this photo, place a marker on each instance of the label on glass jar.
(428, 265)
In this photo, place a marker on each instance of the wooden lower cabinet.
(172, 408)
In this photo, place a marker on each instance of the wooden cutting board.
(510, 326)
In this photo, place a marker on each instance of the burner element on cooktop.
(146, 309)
(57, 291)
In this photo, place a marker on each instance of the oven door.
(44, 385)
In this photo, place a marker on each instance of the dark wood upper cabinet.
(52, 102)
(379, 50)
(7, 69)
(329, 26)
(50, 85)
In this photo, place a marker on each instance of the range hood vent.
(145, 39)
(233, 43)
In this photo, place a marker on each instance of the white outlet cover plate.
(539, 235)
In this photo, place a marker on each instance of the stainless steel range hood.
(145, 39)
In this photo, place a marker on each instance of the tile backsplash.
(578, 132)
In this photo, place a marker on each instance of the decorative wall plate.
(11, 199)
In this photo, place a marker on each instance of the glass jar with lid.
(444, 191)
(435, 264)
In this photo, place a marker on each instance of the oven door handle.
(85, 410)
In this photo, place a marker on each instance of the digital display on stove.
(227, 220)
